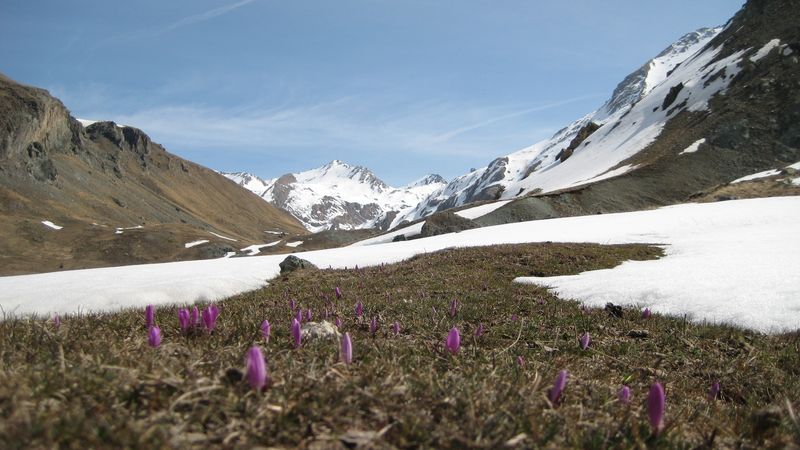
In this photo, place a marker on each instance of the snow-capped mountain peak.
(338, 195)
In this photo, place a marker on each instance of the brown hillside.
(93, 180)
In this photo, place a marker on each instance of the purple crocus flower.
(514, 318)
(479, 330)
(646, 313)
(453, 342)
(299, 316)
(256, 368)
(338, 293)
(210, 318)
(296, 334)
(149, 316)
(56, 321)
(396, 328)
(338, 322)
(347, 349)
(624, 395)
(183, 318)
(292, 304)
(520, 361)
(713, 393)
(154, 336)
(265, 330)
(453, 307)
(195, 317)
(656, 402)
(558, 387)
(308, 315)
(359, 309)
(585, 340)
(373, 325)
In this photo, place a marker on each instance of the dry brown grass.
(95, 383)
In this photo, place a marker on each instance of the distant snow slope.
(338, 195)
(630, 120)
(733, 262)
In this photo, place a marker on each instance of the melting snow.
(223, 237)
(195, 243)
(409, 231)
(733, 262)
(482, 210)
(694, 147)
(255, 249)
(294, 244)
(47, 223)
(764, 51)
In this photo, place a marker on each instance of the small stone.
(324, 330)
(614, 310)
(639, 334)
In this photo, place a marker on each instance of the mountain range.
(340, 196)
(715, 116)
(718, 104)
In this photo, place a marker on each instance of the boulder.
(292, 263)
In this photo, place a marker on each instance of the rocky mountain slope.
(111, 194)
(717, 105)
(339, 196)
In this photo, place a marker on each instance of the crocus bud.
(480, 330)
(195, 317)
(520, 361)
(453, 342)
(656, 402)
(713, 393)
(308, 315)
(338, 293)
(296, 333)
(396, 328)
(154, 336)
(514, 318)
(453, 307)
(347, 349)
(359, 309)
(646, 313)
(338, 322)
(265, 330)
(56, 321)
(299, 316)
(292, 304)
(373, 325)
(183, 318)
(149, 316)
(585, 340)
(558, 387)
(624, 395)
(256, 368)
(209, 319)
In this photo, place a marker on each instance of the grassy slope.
(96, 383)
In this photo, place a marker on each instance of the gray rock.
(321, 330)
(292, 263)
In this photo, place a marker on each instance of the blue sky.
(404, 87)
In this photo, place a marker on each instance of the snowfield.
(734, 262)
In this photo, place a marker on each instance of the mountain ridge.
(338, 195)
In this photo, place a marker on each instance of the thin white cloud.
(185, 21)
(330, 124)
(458, 131)
(202, 17)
